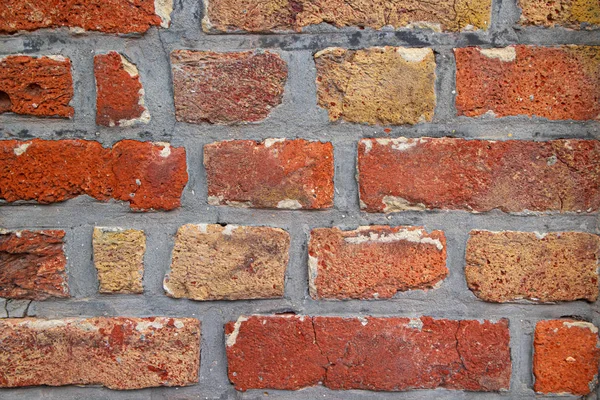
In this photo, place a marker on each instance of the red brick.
(573, 14)
(479, 175)
(276, 173)
(557, 83)
(32, 265)
(41, 86)
(226, 88)
(374, 261)
(119, 92)
(110, 16)
(147, 175)
(383, 354)
(566, 357)
(119, 353)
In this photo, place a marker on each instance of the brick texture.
(147, 175)
(557, 83)
(383, 354)
(119, 353)
(506, 266)
(40, 86)
(479, 175)
(574, 14)
(374, 261)
(566, 357)
(276, 173)
(32, 265)
(212, 262)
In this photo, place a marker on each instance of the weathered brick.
(507, 266)
(566, 357)
(119, 259)
(293, 15)
(276, 173)
(119, 92)
(111, 16)
(378, 85)
(574, 14)
(40, 86)
(212, 262)
(147, 175)
(479, 175)
(557, 83)
(32, 265)
(226, 88)
(292, 352)
(374, 261)
(119, 353)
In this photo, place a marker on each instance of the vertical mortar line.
(84, 84)
(346, 188)
(296, 275)
(83, 280)
(213, 367)
(445, 85)
(157, 260)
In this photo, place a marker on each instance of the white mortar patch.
(229, 229)
(313, 272)
(232, 337)
(415, 323)
(413, 236)
(413, 55)
(581, 324)
(289, 204)
(22, 148)
(395, 203)
(143, 325)
(506, 54)
(164, 8)
(166, 151)
(270, 142)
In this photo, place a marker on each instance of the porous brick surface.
(574, 14)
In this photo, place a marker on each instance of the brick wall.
(240, 199)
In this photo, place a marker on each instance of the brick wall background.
(300, 117)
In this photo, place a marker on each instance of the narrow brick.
(573, 14)
(119, 259)
(110, 16)
(374, 261)
(378, 85)
(479, 175)
(566, 357)
(558, 83)
(212, 262)
(32, 265)
(276, 173)
(382, 354)
(119, 91)
(119, 353)
(294, 15)
(150, 176)
(508, 266)
(40, 86)
(226, 88)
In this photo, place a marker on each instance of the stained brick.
(574, 14)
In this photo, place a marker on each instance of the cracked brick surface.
(574, 14)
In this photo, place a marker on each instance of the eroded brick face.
(557, 83)
(379, 85)
(566, 357)
(40, 86)
(32, 265)
(294, 15)
(574, 14)
(226, 88)
(507, 266)
(119, 353)
(147, 175)
(479, 175)
(110, 16)
(276, 173)
(292, 352)
(374, 261)
(212, 262)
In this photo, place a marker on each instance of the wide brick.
(374, 261)
(566, 357)
(147, 175)
(479, 175)
(276, 173)
(226, 88)
(378, 85)
(383, 354)
(119, 353)
(32, 265)
(507, 266)
(119, 92)
(294, 15)
(557, 83)
(111, 16)
(212, 262)
(574, 14)
(119, 259)
(40, 86)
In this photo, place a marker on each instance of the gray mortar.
(298, 116)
